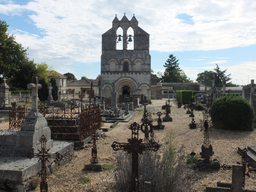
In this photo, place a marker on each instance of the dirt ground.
(225, 144)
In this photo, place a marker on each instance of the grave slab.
(251, 155)
(19, 170)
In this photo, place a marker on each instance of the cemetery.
(114, 136)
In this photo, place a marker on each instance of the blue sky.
(67, 34)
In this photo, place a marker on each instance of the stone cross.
(135, 147)
(34, 86)
(50, 99)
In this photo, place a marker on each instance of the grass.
(84, 180)
(108, 167)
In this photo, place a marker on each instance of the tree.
(23, 75)
(70, 76)
(206, 77)
(83, 77)
(221, 76)
(13, 58)
(173, 73)
(44, 73)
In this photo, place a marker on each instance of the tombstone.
(4, 95)
(237, 182)
(167, 117)
(32, 128)
(50, 98)
(192, 125)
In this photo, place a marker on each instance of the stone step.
(252, 149)
(251, 155)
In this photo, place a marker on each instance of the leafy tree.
(70, 76)
(23, 75)
(83, 77)
(206, 77)
(44, 73)
(13, 59)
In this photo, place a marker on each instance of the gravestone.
(19, 143)
(4, 95)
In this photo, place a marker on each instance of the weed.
(192, 158)
(108, 167)
(5, 160)
(84, 180)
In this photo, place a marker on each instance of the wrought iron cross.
(135, 147)
(43, 156)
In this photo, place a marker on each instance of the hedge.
(186, 95)
(235, 113)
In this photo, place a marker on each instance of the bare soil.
(225, 144)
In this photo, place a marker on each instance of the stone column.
(50, 98)
(4, 94)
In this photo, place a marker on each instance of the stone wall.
(156, 92)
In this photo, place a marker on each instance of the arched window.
(119, 39)
(126, 66)
(130, 39)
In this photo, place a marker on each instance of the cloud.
(71, 30)
(217, 62)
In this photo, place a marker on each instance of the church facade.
(125, 61)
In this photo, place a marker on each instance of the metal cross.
(135, 147)
(94, 158)
(43, 156)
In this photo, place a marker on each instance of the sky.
(67, 34)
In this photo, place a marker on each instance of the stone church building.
(125, 62)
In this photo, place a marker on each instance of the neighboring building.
(84, 85)
(61, 82)
(125, 61)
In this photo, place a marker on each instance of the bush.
(184, 96)
(235, 113)
(199, 107)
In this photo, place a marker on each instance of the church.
(125, 62)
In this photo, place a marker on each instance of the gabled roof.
(83, 82)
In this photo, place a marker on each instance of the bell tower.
(125, 61)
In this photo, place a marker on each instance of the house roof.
(83, 82)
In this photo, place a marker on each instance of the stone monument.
(19, 143)
(50, 98)
(4, 95)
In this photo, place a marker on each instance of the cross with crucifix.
(34, 86)
(135, 147)
(43, 156)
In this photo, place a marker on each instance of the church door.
(126, 92)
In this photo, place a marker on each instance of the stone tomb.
(15, 167)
